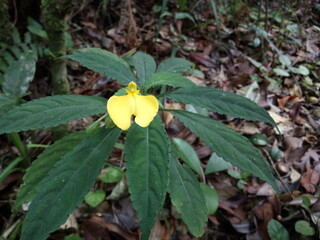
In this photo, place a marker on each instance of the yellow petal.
(120, 109)
(146, 109)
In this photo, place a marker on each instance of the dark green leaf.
(7, 102)
(147, 159)
(167, 78)
(221, 102)
(19, 74)
(188, 154)
(187, 196)
(42, 166)
(66, 184)
(277, 231)
(93, 128)
(36, 28)
(145, 67)
(16, 36)
(93, 199)
(174, 65)
(228, 144)
(216, 164)
(50, 112)
(104, 62)
(211, 196)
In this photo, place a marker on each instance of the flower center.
(132, 88)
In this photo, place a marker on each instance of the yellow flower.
(121, 108)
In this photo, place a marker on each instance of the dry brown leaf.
(89, 24)
(282, 102)
(294, 175)
(264, 213)
(248, 128)
(70, 223)
(100, 223)
(167, 115)
(310, 179)
(265, 190)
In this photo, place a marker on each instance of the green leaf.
(66, 184)
(221, 102)
(43, 164)
(304, 227)
(184, 15)
(212, 198)
(145, 67)
(50, 112)
(276, 153)
(73, 237)
(216, 164)
(36, 28)
(259, 139)
(198, 110)
(174, 65)
(170, 79)
(187, 196)
(277, 231)
(188, 154)
(302, 70)
(281, 72)
(235, 173)
(306, 203)
(104, 62)
(7, 102)
(285, 60)
(112, 174)
(147, 159)
(228, 144)
(93, 199)
(256, 64)
(19, 74)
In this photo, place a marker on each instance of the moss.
(54, 14)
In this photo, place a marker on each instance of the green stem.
(216, 16)
(10, 168)
(16, 139)
(163, 9)
(32, 145)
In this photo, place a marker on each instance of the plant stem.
(37, 145)
(10, 168)
(16, 139)
(216, 16)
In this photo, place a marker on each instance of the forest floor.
(272, 59)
